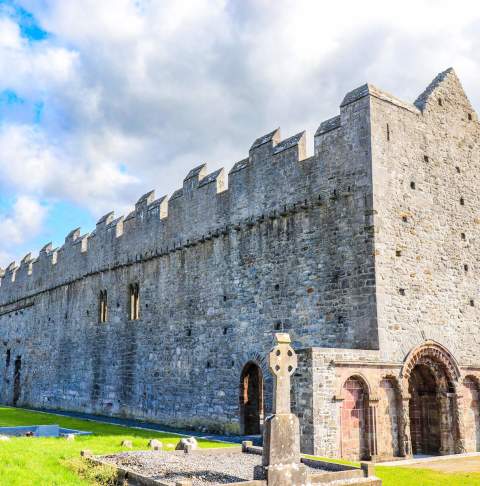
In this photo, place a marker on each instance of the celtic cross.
(283, 363)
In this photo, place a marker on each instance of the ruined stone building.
(366, 253)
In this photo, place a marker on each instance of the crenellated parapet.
(277, 174)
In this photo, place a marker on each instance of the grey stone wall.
(340, 249)
(285, 245)
(426, 240)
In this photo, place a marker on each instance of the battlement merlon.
(269, 177)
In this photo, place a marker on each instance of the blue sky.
(101, 102)
(23, 108)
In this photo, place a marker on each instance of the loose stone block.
(187, 444)
(155, 444)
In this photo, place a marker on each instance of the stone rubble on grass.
(189, 444)
(127, 443)
(155, 444)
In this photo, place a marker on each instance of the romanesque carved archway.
(431, 419)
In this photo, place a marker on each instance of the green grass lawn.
(405, 476)
(26, 461)
(29, 461)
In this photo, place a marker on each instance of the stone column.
(372, 428)
(458, 424)
(405, 440)
(445, 423)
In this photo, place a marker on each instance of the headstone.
(281, 465)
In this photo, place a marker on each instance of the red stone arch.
(433, 352)
(355, 418)
(340, 395)
(431, 410)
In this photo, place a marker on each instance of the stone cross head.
(283, 363)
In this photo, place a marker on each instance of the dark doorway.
(17, 388)
(251, 400)
(424, 411)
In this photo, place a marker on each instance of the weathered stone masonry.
(365, 253)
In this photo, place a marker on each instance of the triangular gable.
(445, 90)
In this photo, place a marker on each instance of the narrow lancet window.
(103, 307)
(134, 302)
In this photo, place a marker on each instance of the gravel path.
(202, 468)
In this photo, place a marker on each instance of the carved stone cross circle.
(282, 358)
(282, 361)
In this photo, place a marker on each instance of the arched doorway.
(354, 419)
(424, 411)
(432, 419)
(251, 399)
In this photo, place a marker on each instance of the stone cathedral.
(367, 253)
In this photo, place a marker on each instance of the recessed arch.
(251, 399)
(354, 418)
(340, 395)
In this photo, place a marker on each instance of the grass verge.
(28, 461)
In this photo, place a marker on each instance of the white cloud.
(32, 164)
(24, 222)
(159, 86)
